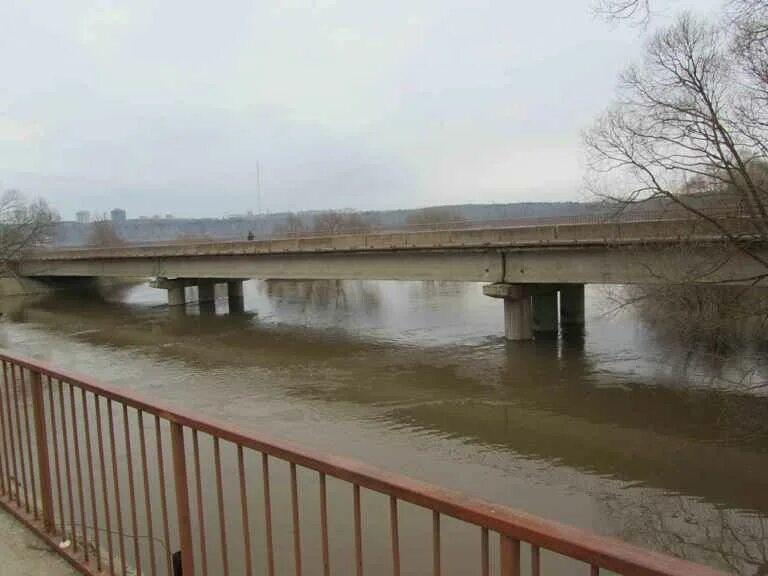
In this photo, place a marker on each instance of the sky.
(184, 106)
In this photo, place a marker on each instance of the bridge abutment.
(531, 309)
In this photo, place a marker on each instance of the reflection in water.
(589, 429)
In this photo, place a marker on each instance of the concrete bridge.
(525, 266)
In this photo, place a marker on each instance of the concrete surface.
(24, 554)
(637, 252)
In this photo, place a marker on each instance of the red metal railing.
(109, 500)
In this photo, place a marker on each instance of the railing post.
(182, 498)
(43, 463)
(509, 550)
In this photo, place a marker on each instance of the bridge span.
(525, 266)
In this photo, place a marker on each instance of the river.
(607, 429)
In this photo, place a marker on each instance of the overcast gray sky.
(167, 107)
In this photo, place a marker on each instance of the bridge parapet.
(554, 234)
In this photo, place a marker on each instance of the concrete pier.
(235, 296)
(206, 291)
(545, 312)
(572, 304)
(177, 294)
(518, 319)
(532, 308)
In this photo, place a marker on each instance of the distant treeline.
(148, 230)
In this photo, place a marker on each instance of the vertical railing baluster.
(23, 481)
(324, 525)
(535, 560)
(12, 441)
(91, 479)
(182, 497)
(131, 492)
(28, 434)
(163, 500)
(3, 453)
(43, 462)
(8, 487)
(67, 472)
(358, 530)
(147, 494)
(267, 515)
(116, 487)
(56, 463)
(296, 526)
(220, 498)
(394, 529)
(436, 557)
(78, 471)
(244, 505)
(104, 491)
(509, 552)
(594, 570)
(200, 509)
(485, 557)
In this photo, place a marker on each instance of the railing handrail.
(608, 553)
(607, 217)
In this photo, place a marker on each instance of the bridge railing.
(120, 484)
(606, 217)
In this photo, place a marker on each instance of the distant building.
(118, 215)
(83, 217)
(169, 216)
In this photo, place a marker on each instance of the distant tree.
(292, 225)
(23, 225)
(434, 215)
(334, 222)
(103, 234)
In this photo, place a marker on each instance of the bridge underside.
(629, 264)
(542, 287)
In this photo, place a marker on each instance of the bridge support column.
(518, 319)
(235, 296)
(572, 304)
(545, 312)
(206, 291)
(177, 294)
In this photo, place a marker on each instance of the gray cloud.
(167, 107)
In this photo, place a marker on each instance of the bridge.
(526, 266)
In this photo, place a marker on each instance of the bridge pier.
(532, 308)
(545, 312)
(206, 291)
(572, 304)
(518, 319)
(235, 296)
(177, 294)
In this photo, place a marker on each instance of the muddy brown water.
(606, 428)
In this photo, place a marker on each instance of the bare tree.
(335, 222)
(293, 225)
(685, 129)
(103, 234)
(434, 216)
(622, 10)
(23, 225)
